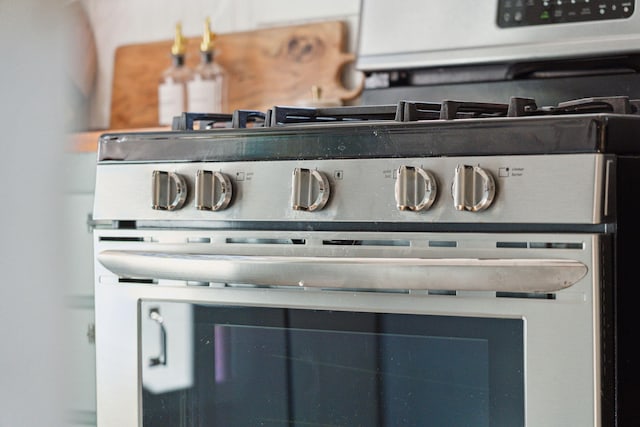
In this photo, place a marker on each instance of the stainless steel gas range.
(450, 263)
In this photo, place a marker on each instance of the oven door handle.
(460, 274)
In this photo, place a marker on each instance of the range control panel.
(491, 189)
(518, 13)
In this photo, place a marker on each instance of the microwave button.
(473, 188)
(416, 189)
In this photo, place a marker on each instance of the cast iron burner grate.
(404, 111)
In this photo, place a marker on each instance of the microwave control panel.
(519, 13)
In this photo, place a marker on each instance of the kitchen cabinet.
(82, 384)
(79, 282)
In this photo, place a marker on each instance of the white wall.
(118, 22)
(32, 245)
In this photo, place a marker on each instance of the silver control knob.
(473, 188)
(310, 190)
(416, 189)
(213, 191)
(169, 191)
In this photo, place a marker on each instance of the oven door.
(456, 329)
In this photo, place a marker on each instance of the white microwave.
(415, 34)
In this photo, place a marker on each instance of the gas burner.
(404, 111)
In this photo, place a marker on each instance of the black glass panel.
(285, 367)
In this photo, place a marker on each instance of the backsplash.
(118, 22)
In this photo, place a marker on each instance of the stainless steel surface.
(562, 334)
(416, 189)
(460, 274)
(169, 190)
(530, 189)
(213, 191)
(298, 240)
(464, 32)
(310, 190)
(473, 188)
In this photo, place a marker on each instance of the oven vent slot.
(121, 239)
(263, 241)
(199, 240)
(438, 292)
(139, 281)
(405, 243)
(512, 245)
(555, 245)
(540, 245)
(524, 295)
(442, 244)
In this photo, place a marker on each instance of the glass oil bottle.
(172, 93)
(207, 89)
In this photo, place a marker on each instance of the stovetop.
(409, 128)
(414, 162)
(405, 111)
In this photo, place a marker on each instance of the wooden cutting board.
(267, 67)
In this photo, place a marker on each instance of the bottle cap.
(208, 37)
(179, 45)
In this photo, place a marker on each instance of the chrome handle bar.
(460, 274)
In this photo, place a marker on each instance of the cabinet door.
(79, 268)
(81, 357)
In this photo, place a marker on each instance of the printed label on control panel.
(505, 172)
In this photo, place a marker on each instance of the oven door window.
(239, 366)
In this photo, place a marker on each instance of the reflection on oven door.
(167, 346)
(291, 367)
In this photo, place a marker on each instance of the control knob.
(473, 188)
(169, 191)
(416, 189)
(213, 191)
(310, 190)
